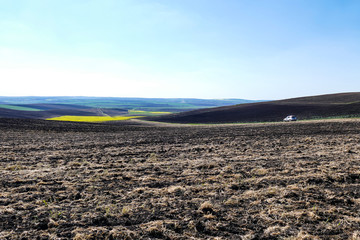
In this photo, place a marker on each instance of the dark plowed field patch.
(323, 106)
(93, 181)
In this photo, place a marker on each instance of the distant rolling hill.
(145, 104)
(56, 110)
(322, 106)
(48, 107)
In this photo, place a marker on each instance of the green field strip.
(19, 108)
(147, 113)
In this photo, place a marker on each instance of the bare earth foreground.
(262, 181)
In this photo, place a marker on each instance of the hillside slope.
(56, 110)
(322, 106)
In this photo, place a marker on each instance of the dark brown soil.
(261, 181)
(331, 105)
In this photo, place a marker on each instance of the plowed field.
(63, 180)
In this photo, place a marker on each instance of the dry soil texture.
(90, 181)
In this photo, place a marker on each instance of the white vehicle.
(290, 118)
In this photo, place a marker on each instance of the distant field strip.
(92, 118)
(19, 108)
(147, 113)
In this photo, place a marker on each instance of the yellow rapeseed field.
(91, 118)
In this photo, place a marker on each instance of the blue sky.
(253, 49)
